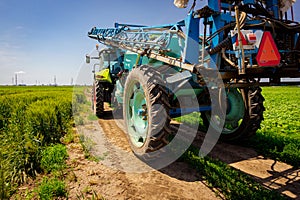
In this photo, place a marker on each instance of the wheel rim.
(137, 115)
(234, 114)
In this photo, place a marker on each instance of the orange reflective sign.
(268, 54)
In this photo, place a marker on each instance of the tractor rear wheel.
(102, 94)
(243, 115)
(99, 107)
(146, 110)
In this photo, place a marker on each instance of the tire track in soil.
(270, 173)
(115, 176)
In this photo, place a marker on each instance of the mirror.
(87, 59)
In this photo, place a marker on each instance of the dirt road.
(115, 177)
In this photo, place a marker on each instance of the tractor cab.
(109, 59)
(109, 65)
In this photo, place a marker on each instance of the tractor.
(156, 73)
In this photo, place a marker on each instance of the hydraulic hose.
(227, 59)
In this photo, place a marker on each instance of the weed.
(51, 188)
(71, 177)
(68, 138)
(92, 117)
(53, 158)
(87, 145)
(94, 196)
(79, 121)
(27, 195)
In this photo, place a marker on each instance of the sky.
(46, 39)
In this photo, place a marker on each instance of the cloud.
(20, 72)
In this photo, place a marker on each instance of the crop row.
(279, 135)
(31, 119)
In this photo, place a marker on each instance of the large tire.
(146, 110)
(99, 108)
(242, 118)
(102, 93)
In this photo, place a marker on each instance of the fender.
(103, 75)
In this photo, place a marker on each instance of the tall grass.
(30, 119)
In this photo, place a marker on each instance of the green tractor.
(156, 73)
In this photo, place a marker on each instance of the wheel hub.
(234, 112)
(138, 115)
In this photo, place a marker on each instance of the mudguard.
(103, 75)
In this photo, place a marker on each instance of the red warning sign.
(244, 41)
(268, 54)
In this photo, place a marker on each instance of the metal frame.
(139, 39)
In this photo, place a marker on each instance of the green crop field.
(34, 119)
(279, 135)
(282, 116)
(31, 119)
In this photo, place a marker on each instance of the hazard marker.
(268, 54)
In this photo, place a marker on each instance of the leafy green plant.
(51, 188)
(279, 136)
(53, 158)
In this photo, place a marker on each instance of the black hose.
(224, 44)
